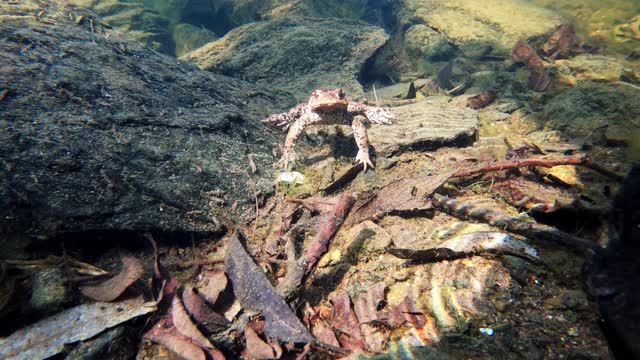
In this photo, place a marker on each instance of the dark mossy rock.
(138, 22)
(187, 37)
(581, 109)
(298, 55)
(101, 133)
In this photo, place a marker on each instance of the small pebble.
(487, 331)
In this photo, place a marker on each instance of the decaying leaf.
(406, 195)
(368, 304)
(254, 291)
(212, 283)
(172, 340)
(323, 333)
(529, 194)
(185, 326)
(346, 323)
(407, 311)
(49, 336)
(110, 289)
(256, 348)
(201, 312)
(164, 283)
(367, 307)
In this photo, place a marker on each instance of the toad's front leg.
(288, 153)
(362, 140)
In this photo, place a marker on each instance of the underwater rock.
(422, 43)
(577, 111)
(188, 38)
(595, 67)
(493, 23)
(101, 133)
(134, 20)
(426, 125)
(297, 55)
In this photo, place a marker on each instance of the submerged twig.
(543, 162)
(509, 223)
(318, 246)
(471, 244)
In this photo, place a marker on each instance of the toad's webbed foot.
(363, 157)
(286, 159)
(375, 114)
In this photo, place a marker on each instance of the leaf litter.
(110, 289)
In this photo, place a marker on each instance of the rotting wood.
(468, 245)
(509, 223)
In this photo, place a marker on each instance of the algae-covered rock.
(188, 38)
(583, 108)
(102, 133)
(133, 19)
(595, 67)
(298, 55)
(499, 24)
(422, 42)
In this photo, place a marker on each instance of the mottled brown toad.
(330, 107)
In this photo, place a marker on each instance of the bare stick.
(543, 162)
(296, 273)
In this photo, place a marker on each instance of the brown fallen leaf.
(212, 283)
(367, 305)
(256, 348)
(345, 321)
(406, 195)
(411, 313)
(324, 333)
(559, 42)
(201, 312)
(49, 336)
(110, 289)
(185, 326)
(165, 284)
(172, 340)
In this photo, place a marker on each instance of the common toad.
(330, 107)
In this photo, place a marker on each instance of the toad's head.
(328, 100)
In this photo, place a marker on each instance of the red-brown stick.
(318, 246)
(543, 162)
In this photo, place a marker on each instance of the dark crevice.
(91, 245)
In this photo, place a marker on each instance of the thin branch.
(543, 162)
(305, 264)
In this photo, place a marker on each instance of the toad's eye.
(341, 95)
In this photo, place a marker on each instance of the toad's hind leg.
(362, 140)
